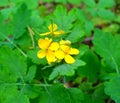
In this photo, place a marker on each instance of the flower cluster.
(56, 51)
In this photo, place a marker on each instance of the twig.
(31, 35)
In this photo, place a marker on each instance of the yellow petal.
(54, 46)
(59, 54)
(69, 59)
(52, 27)
(73, 51)
(65, 42)
(44, 34)
(65, 48)
(41, 53)
(44, 43)
(50, 56)
(56, 33)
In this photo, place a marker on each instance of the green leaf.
(66, 69)
(106, 3)
(31, 4)
(89, 3)
(63, 69)
(83, 49)
(60, 11)
(47, 0)
(20, 21)
(106, 14)
(31, 91)
(13, 61)
(7, 76)
(9, 92)
(112, 88)
(54, 94)
(59, 94)
(78, 63)
(4, 2)
(20, 99)
(27, 2)
(7, 12)
(76, 34)
(5, 28)
(108, 47)
(24, 42)
(92, 67)
(113, 28)
(80, 14)
(76, 95)
(99, 94)
(59, 1)
(13, 68)
(72, 13)
(75, 1)
(64, 19)
(89, 26)
(87, 99)
(5, 90)
(36, 21)
(31, 74)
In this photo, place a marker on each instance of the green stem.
(31, 36)
(24, 84)
(14, 45)
(47, 66)
(116, 66)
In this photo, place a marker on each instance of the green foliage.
(64, 19)
(91, 69)
(74, 92)
(13, 61)
(76, 31)
(114, 92)
(92, 27)
(13, 69)
(104, 46)
(106, 14)
(4, 3)
(100, 8)
(66, 69)
(106, 4)
(31, 74)
(59, 94)
(21, 20)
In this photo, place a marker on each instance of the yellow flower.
(65, 53)
(47, 49)
(65, 42)
(44, 43)
(53, 28)
(54, 51)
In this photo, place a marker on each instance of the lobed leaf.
(59, 94)
(13, 61)
(66, 69)
(108, 48)
(92, 67)
(112, 88)
(106, 3)
(20, 21)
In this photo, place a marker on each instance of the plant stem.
(14, 45)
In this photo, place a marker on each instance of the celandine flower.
(53, 30)
(54, 51)
(65, 52)
(48, 49)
